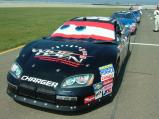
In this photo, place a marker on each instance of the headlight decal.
(16, 70)
(76, 81)
(70, 81)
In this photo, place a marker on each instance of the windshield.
(118, 15)
(86, 40)
(129, 16)
(136, 12)
(86, 31)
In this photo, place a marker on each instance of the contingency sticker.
(98, 89)
(89, 99)
(106, 72)
(108, 81)
(107, 89)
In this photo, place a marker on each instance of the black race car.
(73, 68)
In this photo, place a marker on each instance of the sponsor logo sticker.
(89, 99)
(106, 72)
(108, 81)
(98, 90)
(98, 94)
(97, 86)
(107, 89)
(66, 98)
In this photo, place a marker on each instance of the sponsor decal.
(106, 77)
(107, 89)
(61, 56)
(98, 94)
(108, 81)
(89, 99)
(106, 72)
(90, 29)
(66, 98)
(97, 86)
(98, 90)
(39, 81)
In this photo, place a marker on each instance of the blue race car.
(129, 24)
(124, 14)
(127, 19)
(137, 14)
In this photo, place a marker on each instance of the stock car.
(129, 24)
(72, 69)
(137, 14)
(127, 19)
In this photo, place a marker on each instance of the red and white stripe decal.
(95, 30)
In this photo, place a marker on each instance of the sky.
(92, 1)
(113, 1)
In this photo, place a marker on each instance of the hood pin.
(58, 70)
(23, 55)
(87, 65)
(33, 66)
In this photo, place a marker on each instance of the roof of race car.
(98, 28)
(94, 18)
(122, 12)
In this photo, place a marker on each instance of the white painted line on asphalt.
(145, 44)
(10, 50)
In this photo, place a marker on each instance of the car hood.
(56, 60)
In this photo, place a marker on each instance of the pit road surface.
(137, 97)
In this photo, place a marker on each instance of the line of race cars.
(129, 19)
(76, 66)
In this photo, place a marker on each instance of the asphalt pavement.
(137, 97)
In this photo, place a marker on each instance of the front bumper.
(46, 105)
(12, 91)
(45, 97)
